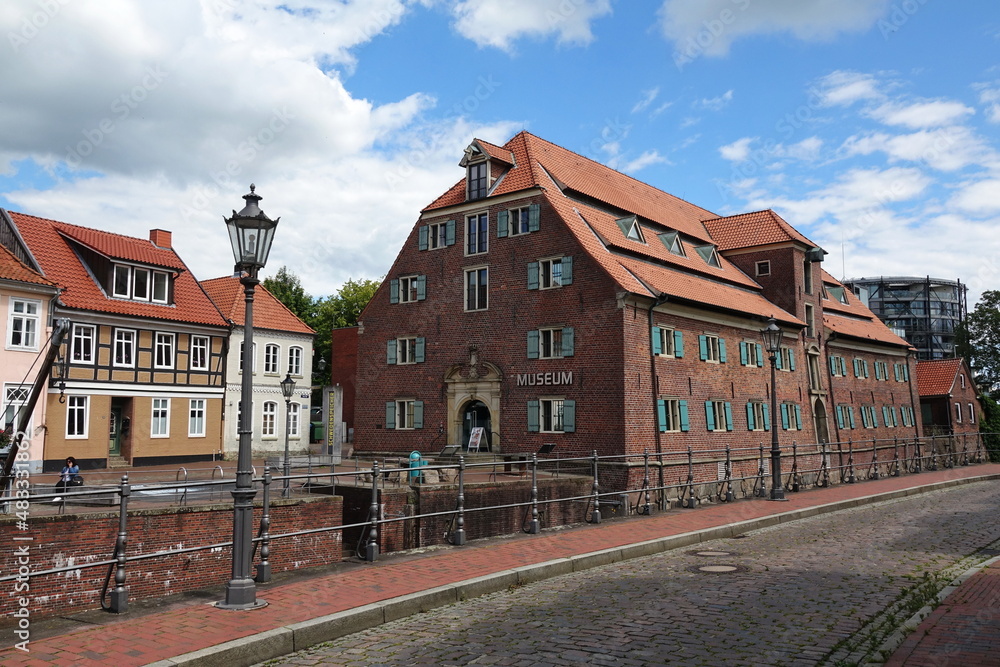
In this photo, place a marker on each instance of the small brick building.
(948, 402)
(551, 300)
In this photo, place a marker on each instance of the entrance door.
(115, 432)
(477, 414)
(822, 431)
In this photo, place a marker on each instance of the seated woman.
(70, 475)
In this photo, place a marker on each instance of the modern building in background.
(924, 311)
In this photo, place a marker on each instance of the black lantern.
(251, 233)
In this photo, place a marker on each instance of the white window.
(551, 415)
(764, 268)
(268, 414)
(437, 235)
(140, 284)
(293, 420)
(196, 418)
(122, 282)
(76, 416)
(199, 353)
(408, 290)
(550, 273)
(271, 355)
(477, 234)
(711, 348)
(666, 339)
(786, 359)
(405, 414)
(164, 350)
(23, 324)
(517, 221)
(124, 348)
(752, 354)
(477, 283)
(670, 415)
(961, 378)
(15, 396)
(406, 351)
(295, 360)
(160, 287)
(478, 180)
(160, 419)
(791, 417)
(838, 365)
(958, 413)
(550, 343)
(758, 418)
(82, 344)
(133, 282)
(972, 414)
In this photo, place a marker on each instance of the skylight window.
(630, 228)
(672, 242)
(837, 293)
(709, 254)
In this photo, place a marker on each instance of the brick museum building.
(552, 300)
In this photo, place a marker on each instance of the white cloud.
(990, 99)
(499, 23)
(980, 197)
(711, 26)
(918, 115)
(646, 159)
(945, 149)
(715, 103)
(844, 88)
(647, 98)
(738, 151)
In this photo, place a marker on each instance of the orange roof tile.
(268, 312)
(11, 268)
(753, 229)
(496, 152)
(936, 377)
(47, 240)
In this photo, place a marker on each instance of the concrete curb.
(288, 639)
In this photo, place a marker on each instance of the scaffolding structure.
(923, 311)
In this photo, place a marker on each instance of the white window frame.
(77, 403)
(486, 296)
(294, 411)
(127, 270)
(196, 417)
(437, 235)
(763, 267)
(482, 175)
(16, 396)
(272, 358)
(269, 420)
(406, 350)
(164, 342)
(712, 352)
(672, 409)
(295, 356)
(758, 416)
(958, 412)
(83, 334)
(547, 278)
(136, 272)
(550, 415)
(972, 413)
(719, 415)
(482, 236)
(154, 280)
(667, 342)
(408, 289)
(753, 348)
(786, 359)
(404, 414)
(514, 221)
(202, 343)
(159, 425)
(29, 323)
(120, 340)
(550, 343)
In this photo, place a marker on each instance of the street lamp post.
(251, 233)
(287, 389)
(771, 335)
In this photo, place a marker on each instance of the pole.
(286, 490)
(777, 492)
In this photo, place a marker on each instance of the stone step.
(117, 462)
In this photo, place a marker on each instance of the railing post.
(934, 454)
(851, 479)
(646, 508)
(535, 526)
(730, 496)
(595, 517)
(689, 502)
(794, 475)
(119, 596)
(965, 449)
(371, 548)
(979, 447)
(824, 467)
(459, 537)
(761, 490)
(917, 458)
(895, 457)
(874, 473)
(264, 566)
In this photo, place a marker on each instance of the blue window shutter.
(722, 351)
(532, 275)
(661, 414)
(885, 416)
(895, 371)
(683, 409)
(394, 290)
(567, 270)
(710, 415)
(568, 342)
(840, 416)
(743, 352)
(569, 416)
(390, 352)
(501, 224)
(874, 417)
(833, 365)
(864, 367)
(791, 359)
(703, 347)
(729, 416)
(533, 216)
(843, 366)
(421, 288)
(657, 344)
(784, 416)
(777, 359)
(798, 417)
(767, 416)
(751, 425)
(533, 344)
(533, 416)
(850, 413)
(418, 414)
(422, 238)
(678, 344)
(892, 412)
(390, 414)
(418, 354)
(449, 232)
(760, 354)
(906, 372)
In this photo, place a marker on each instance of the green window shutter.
(394, 290)
(751, 425)
(722, 351)
(840, 416)
(784, 416)
(532, 275)
(777, 359)
(885, 416)
(661, 415)
(833, 365)
(798, 417)
(657, 344)
(767, 417)
(568, 342)
(703, 347)
(906, 372)
(710, 415)
(569, 416)
(422, 238)
(533, 344)
(874, 416)
(533, 416)
(864, 367)
(743, 353)
(421, 288)
(729, 416)
(895, 372)
(449, 232)
(678, 344)
(683, 409)
(390, 414)
(760, 354)
(533, 216)
(418, 414)
(567, 270)
(850, 413)
(501, 224)
(791, 359)
(892, 412)
(857, 373)
(418, 354)
(390, 352)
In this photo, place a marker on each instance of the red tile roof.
(11, 268)
(936, 377)
(753, 229)
(48, 242)
(268, 312)
(496, 152)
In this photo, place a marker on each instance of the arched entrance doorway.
(822, 431)
(476, 414)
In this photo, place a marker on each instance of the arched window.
(271, 355)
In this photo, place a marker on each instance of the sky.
(872, 126)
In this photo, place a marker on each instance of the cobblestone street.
(820, 591)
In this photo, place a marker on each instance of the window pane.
(121, 281)
(140, 284)
(160, 287)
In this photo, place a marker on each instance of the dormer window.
(672, 242)
(479, 180)
(630, 228)
(837, 292)
(140, 284)
(709, 254)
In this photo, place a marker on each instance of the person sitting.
(70, 476)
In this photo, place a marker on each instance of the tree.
(340, 310)
(989, 426)
(978, 340)
(287, 288)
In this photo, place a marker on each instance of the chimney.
(160, 237)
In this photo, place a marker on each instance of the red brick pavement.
(125, 641)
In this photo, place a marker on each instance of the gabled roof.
(11, 268)
(936, 377)
(268, 312)
(854, 319)
(51, 244)
(748, 230)
(495, 152)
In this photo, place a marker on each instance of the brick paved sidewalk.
(125, 641)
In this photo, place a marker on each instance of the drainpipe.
(658, 301)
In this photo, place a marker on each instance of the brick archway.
(466, 383)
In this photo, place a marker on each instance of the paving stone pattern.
(821, 591)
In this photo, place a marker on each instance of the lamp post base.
(241, 595)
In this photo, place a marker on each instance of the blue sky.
(870, 125)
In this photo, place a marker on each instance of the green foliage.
(989, 426)
(978, 340)
(287, 288)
